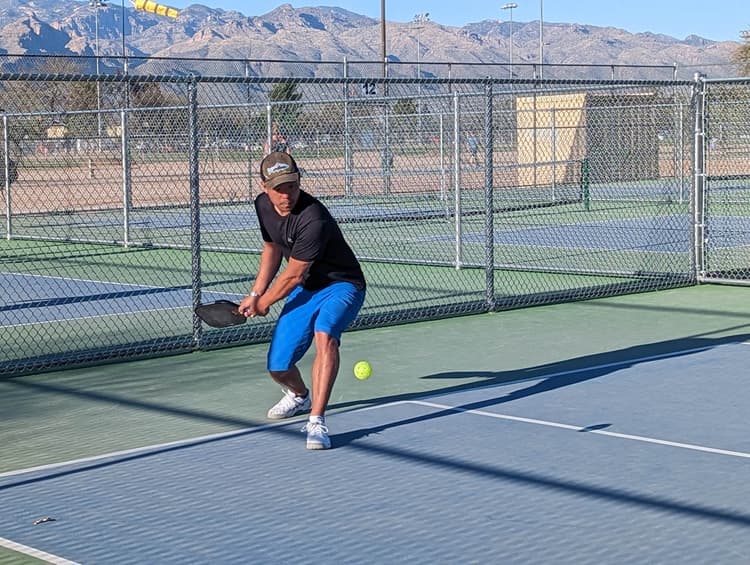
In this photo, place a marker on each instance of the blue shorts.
(329, 310)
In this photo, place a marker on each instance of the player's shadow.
(542, 378)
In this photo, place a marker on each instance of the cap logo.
(275, 168)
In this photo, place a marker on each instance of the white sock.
(317, 419)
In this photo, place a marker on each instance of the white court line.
(39, 554)
(93, 316)
(150, 448)
(113, 283)
(57, 277)
(644, 439)
(110, 314)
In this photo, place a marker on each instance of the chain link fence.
(722, 179)
(131, 200)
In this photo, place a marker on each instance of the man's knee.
(324, 340)
(283, 374)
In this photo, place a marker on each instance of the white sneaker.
(317, 435)
(289, 405)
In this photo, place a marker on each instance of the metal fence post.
(195, 212)
(6, 167)
(127, 196)
(387, 153)
(441, 147)
(681, 151)
(699, 178)
(489, 225)
(269, 127)
(348, 158)
(457, 177)
(249, 141)
(553, 148)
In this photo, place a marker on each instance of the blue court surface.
(637, 461)
(672, 236)
(30, 299)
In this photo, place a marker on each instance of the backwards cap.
(277, 168)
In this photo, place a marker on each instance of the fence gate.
(723, 206)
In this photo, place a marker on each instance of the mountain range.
(320, 34)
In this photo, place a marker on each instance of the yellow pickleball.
(362, 370)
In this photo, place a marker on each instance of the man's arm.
(292, 276)
(263, 297)
(270, 261)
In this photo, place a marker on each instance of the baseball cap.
(277, 168)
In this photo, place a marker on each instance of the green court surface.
(8, 557)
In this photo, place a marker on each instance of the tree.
(742, 55)
(147, 95)
(52, 97)
(285, 113)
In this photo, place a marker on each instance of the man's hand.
(253, 305)
(249, 306)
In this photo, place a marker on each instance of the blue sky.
(720, 20)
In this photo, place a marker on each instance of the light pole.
(96, 4)
(126, 97)
(510, 6)
(124, 54)
(420, 20)
(382, 37)
(541, 38)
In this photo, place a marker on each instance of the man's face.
(284, 197)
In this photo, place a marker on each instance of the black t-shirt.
(309, 233)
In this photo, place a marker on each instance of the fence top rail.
(195, 78)
(346, 61)
(734, 80)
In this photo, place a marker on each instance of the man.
(278, 143)
(323, 286)
(472, 144)
(12, 171)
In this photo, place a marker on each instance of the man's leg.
(291, 338)
(339, 305)
(296, 397)
(291, 380)
(324, 370)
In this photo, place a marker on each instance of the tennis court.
(608, 430)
